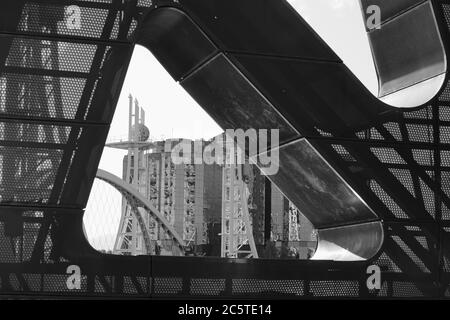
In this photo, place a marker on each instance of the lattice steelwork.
(58, 89)
(396, 160)
(237, 232)
(102, 216)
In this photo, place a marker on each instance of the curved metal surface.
(316, 189)
(410, 194)
(408, 51)
(350, 243)
(166, 24)
(390, 9)
(122, 186)
(227, 85)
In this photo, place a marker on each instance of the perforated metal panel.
(167, 286)
(268, 287)
(54, 117)
(207, 287)
(334, 288)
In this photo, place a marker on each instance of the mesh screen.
(334, 288)
(33, 105)
(28, 174)
(32, 132)
(261, 287)
(403, 163)
(207, 287)
(94, 21)
(72, 56)
(136, 285)
(446, 250)
(167, 286)
(406, 290)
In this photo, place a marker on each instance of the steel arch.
(138, 201)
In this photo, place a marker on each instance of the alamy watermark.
(73, 281)
(234, 147)
(73, 17)
(374, 19)
(374, 279)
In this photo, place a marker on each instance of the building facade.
(199, 201)
(187, 195)
(217, 209)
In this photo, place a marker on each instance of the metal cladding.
(396, 161)
(408, 50)
(224, 80)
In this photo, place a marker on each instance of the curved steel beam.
(408, 51)
(245, 64)
(350, 243)
(141, 201)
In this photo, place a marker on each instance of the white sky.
(171, 112)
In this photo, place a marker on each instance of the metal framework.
(237, 232)
(131, 229)
(139, 205)
(65, 83)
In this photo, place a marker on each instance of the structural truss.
(373, 179)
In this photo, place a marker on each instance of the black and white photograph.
(223, 156)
